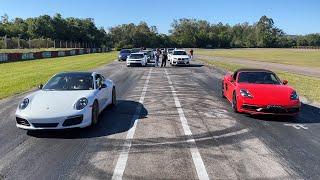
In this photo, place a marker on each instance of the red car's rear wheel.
(222, 90)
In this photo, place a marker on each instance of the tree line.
(184, 33)
(55, 28)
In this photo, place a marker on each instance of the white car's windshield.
(179, 53)
(72, 81)
(136, 56)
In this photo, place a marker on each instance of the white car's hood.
(54, 103)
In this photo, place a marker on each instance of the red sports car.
(259, 91)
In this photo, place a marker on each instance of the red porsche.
(259, 91)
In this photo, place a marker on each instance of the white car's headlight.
(24, 104)
(245, 93)
(81, 103)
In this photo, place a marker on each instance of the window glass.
(65, 82)
(258, 78)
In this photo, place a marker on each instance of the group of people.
(164, 59)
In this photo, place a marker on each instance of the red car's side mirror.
(231, 79)
(284, 82)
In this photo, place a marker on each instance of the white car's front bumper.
(135, 62)
(180, 62)
(79, 119)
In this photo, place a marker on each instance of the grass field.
(21, 76)
(299, 57)
(306, 86)
(33, 50)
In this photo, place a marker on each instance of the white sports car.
(179, 57)
(67, 100)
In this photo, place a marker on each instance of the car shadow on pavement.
(112, 120)
(191, 65)
(308, 114)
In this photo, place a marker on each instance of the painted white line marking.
(123, 157)
(297, 126)
(196, 157)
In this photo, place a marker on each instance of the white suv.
(179, 57)
(137, 59)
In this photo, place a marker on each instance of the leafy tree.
(5, 19)
(184, 33)
(56, 27)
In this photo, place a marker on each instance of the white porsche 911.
(67, 100)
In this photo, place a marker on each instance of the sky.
(295, 17)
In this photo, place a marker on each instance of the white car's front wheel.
(114, 97)
(95, 113)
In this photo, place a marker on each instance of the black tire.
(234, 103)
(95, 113)
(114, 97)
(222, 90)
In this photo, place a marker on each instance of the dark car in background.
(150, 55)
(135, 50)
(123, 54)
(170, 50)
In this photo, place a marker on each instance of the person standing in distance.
(164, 58)
(191, 54)
(158, 53)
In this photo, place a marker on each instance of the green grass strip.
(18, 77)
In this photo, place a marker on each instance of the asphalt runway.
(169, 123)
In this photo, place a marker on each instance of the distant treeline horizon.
(193, 33)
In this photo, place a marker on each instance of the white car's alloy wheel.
(95, 113)
(114, 97)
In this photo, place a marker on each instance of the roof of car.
(252, 70)
(78, 73)
(138, 53)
